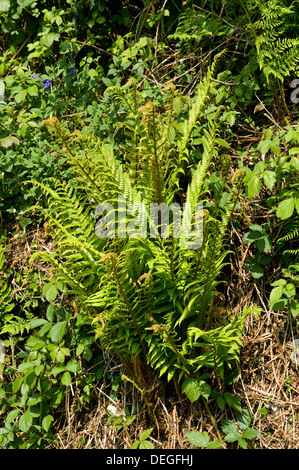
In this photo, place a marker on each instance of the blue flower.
(35, 76)
(73, 71)
(47, 83)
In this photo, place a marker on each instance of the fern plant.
(6, 302)
(152, 300)
(276, 42)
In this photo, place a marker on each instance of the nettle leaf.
(286, 208)
(195, 388)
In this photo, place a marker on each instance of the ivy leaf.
(286, 208)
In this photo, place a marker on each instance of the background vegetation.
(142, 343)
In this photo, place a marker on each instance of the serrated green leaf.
(57, 331)
(286, 208)
(276, 294)
(232, 401)
(50, 314)
(36, 322)
(242, 443)
(35, 343)
(145, 434)
(146, 445)
(46, 423)
(17, 383)
(253, 187)
(195, 388)
(220, 402)
(51, 293)
(250, 433)
(66, 379)
(215, 444)
(264, 244)
(25, 421)
(295, 163)
(12, 416)
(4, 5)
(198, 439)
(269, 178)
(257, 271)
(230, 430)
(244, 418)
